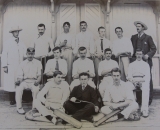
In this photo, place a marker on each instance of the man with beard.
(145, 43)
(84, 39)
(57, 92)
(82, 64)
(142, 68)
(118, 96)
(28, 77)
(104, 70)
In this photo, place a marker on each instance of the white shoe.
(54, 121)
(21, 111)
(145, 114)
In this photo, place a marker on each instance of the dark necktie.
(17, 40)
(102, 45)
(83, 87)
(57, 66)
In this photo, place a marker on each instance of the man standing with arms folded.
(122, 47)
(145, 43)
(84, 39)
(13, 54)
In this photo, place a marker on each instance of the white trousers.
(19, 92)
(45, 111)
(132, 107)
(76, 82)
(106, 82)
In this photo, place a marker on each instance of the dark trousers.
(12, 96)
(79, 110)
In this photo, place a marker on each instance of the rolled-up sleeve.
(100, 69)
(39, 69)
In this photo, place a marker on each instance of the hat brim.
(145, 27)
(15, 30)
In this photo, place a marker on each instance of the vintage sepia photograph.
(80, 64)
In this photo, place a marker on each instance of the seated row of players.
(115, 94)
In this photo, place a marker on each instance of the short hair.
(140, 24)
(57, 73)
(100, 28)
(30, 50)
(138, 50)
(82, 49)
(41, 25)
(83, 22)
(84, 74)
(115, 70)
(57, 48)
(107, 49)
(66, 23)
(118, 28)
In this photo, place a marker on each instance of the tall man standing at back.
(42, 44)
(85, 39)
(13, 54)
(145, 43)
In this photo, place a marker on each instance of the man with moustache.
(139, 67)
(104, 70)
(100, 45)
(28, 77)
(145, 43)
(84, 39)
(82, 64)
(57, 92)
(122, 47)
(14, 52)
(42, 44)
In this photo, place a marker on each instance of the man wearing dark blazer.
(146, 44)
(83, 92)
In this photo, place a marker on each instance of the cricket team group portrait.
(81, 73)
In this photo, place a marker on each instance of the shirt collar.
(141, 34)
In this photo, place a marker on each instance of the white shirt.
(13, 52)
(83, 66)
(119, 93)
(139, 67)
(41, 45)
(54, 93)
(106, 44)
(122, 45)
(66, 36)
(51, 65)
(85, 39)
(106, 65)
(29, 69)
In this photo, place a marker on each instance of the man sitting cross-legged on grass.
(119, 96)
(57, 92)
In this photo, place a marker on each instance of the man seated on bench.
(140, 66)
(57, 92)
(28, 77)
(82, 64)
(82, 103)
(56, 64)
(104, 70)
(118, 96)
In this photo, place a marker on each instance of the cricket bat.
(67, 118)
(96, 124)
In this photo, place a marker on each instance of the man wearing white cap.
(28, 77)
(145, 43)
(14, 51)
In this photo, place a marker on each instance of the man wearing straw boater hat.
(145, 43)
(14, 51)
